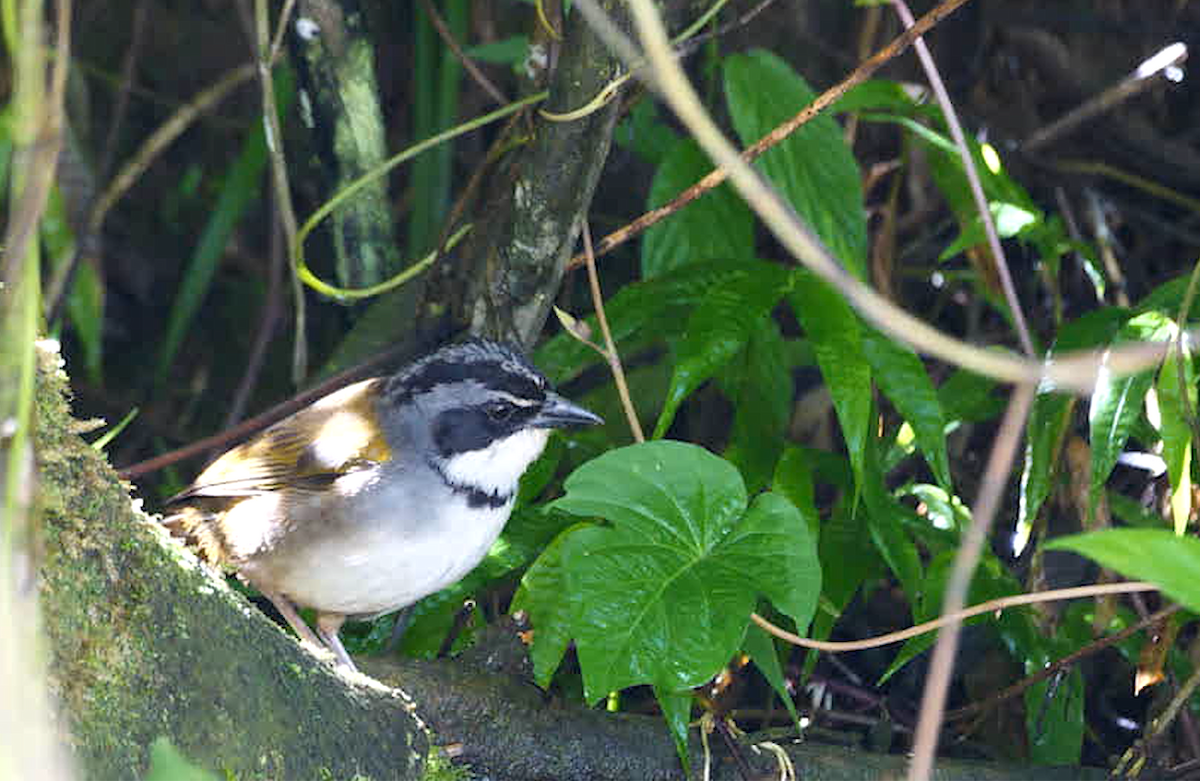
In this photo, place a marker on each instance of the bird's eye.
(499, 411)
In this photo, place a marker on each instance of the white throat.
(496, 468)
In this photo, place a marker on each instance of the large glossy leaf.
(719, 328)
(662, 595)
(716, 226)
(903, 379)
(836, 337)
(1159, 556)
(813, 168)
(1117, 402)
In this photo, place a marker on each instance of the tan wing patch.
(337, 434)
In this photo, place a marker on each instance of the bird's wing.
(337, 434)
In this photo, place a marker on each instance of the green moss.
(146, 642)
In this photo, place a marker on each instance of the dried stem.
(933, 701)
(968, 161)
(610, 347)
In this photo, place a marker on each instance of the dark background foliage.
(181, 308)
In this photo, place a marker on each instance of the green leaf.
(719, 329)
(664, 594)
(1117, 402)
(836, 336)
(967, 397)
(643, 312)
(1054, 718)
(677, 712)
(1176, 433)
(903, 379)
(716, 226)
(540, 595)
(644, 133)
(1048, 422)
(758, 383)
(507, 51)
(1166, 559)
(990, 581)
(885, 521)
(813, 168)
(761, 648)
(875, 94)
(794, 480)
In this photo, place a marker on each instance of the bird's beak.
(557, 412)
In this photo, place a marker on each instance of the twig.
(1165, 63)
(1060, 664)
(968, 161)
(991, 606)
(610, 352)
(284, 16)
(752, 152)
(283, 192)
(480, 77)
(265, 331)
(161, 138)
(121, 103)
(933, 701)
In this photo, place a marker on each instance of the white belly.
(385, 565)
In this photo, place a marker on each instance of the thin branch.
(1061, 664)
(968, 161)
(610, 352)
(266, 327)
(958, 616)
(283, 192)
(933, 701)
(161, 138)
(1076, 372)
(480, 77)
(752, 152)
(1165, 63)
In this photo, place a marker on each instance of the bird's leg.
(288, 611)
(328, 625)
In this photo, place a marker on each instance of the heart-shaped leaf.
(662, 595)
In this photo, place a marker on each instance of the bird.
(380, 493)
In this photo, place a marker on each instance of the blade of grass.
(243, 183)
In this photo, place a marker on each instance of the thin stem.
(610, 347)
(933, 701)
(983, 608)
(778, 134)
(480, 77)
(968, 161)
(283, 192)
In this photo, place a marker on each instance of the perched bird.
(381, 493)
